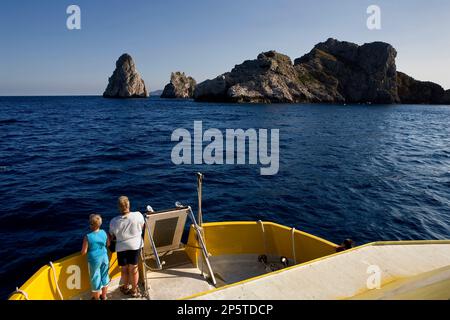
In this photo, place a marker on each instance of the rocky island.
(180, 87)
(333, 72)
(125, 82)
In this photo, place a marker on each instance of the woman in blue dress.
(95, 246)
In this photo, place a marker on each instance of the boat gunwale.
(215, 224)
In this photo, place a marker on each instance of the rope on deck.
(263, 235)
(18, 291)
(293, 245)
(56, 280)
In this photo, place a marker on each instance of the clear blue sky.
(204, 38)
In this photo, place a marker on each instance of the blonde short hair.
(124, 204)
(95, 220)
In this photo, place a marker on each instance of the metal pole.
(152, 243)
(203, 246)
(200, 213)
(199, 192)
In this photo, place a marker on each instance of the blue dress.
(98, 261)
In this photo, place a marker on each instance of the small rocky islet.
(181, 86)
(332, 72)
(125, 81)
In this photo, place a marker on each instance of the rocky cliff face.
(125, 81)
(446, 97)
(270, 78)
(333, 72)
(180, 87)
(336, 71)
(418, 92)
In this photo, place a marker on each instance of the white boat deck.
(176, 283)
(113, 293)
(180, 279)
(169, 284)
(346, 275)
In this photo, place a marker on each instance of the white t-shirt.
(128, 231)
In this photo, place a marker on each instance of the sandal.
(135, 294)
(124, 290)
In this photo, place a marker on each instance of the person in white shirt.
(127, 230)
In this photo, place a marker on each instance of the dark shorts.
(128, 257)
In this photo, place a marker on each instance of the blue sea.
(363, 172)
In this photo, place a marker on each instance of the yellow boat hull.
(222, 238)
(411, 269)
